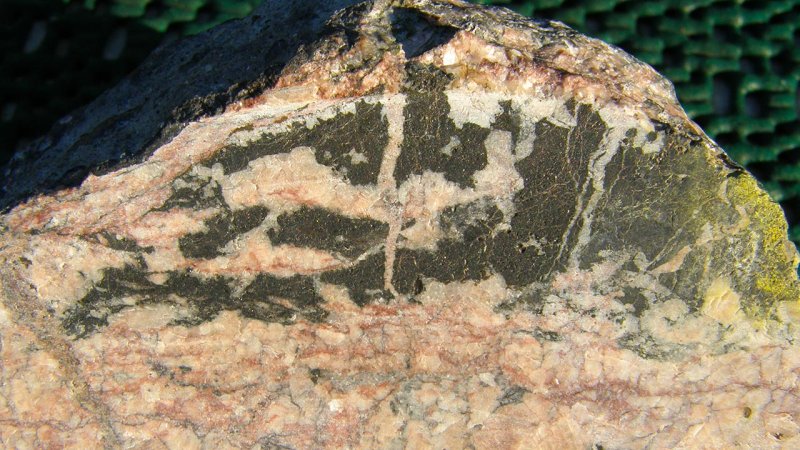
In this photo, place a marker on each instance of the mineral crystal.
(428, 224)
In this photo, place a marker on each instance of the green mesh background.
(735, 63)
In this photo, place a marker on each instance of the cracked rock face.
(437, 226)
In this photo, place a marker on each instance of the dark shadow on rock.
(178, 83)
(418, 33)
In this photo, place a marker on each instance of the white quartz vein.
(579, 202)
(393, 109)
(609, 147)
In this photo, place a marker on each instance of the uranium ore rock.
(402, 224)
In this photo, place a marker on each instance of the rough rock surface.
(440, 226)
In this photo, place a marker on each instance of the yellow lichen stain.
(777, 276)
(721, 303)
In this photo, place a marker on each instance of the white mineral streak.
(286, 181)
(619, 122)
(163, 228)
(478, 109)
(425, 196)
(387, 380)
(597, 171)
(451, 371)
(253, 253)
(387, 185)
(283, 182)
(481, 109)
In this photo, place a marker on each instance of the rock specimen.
(436, 226)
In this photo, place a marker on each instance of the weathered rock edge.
(124, 125)
(148, 108)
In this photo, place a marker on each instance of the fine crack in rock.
(420, 223)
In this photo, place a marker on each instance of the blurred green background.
(735, 63)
